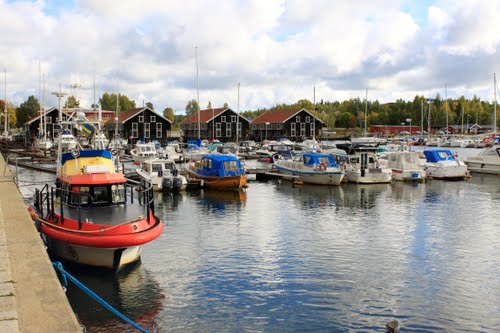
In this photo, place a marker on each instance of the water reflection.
(134, 292)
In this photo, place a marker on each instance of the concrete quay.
(31, 297)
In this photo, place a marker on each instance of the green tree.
(169, 113)
(71, 102)
(192, 107)
(150, 105)
(108, 102)
(27, 110)
(226, 105)
(209, 105)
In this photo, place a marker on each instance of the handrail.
(7, 163)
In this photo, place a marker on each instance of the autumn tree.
(11, 114)
(27, 110)
(169, 113)
(192, 107)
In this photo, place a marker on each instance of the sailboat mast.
(421, 118)
(238, 115)
(446, 108)
(198, 93)
(314, 108)
(495, 104)
(40, 97)
(366, 108)
(5, 128)
(43, 109)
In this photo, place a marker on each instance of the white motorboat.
(163, 175)
(365, 167)
(99, 141)
(487, 161)
(43, 143)
(143, 152)
(405, 166)
(442, 164)
(195, 153)
(312, 168)
(67, 141)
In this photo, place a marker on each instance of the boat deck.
(108, 215)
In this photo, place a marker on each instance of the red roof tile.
(205, 116)
(275, 116)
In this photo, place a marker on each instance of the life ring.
(322, 166)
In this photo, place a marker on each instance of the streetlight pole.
(403, 124)
(267, 124)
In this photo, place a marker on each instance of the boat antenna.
(238, 114)
(198, 93)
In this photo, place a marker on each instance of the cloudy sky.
(279, 51)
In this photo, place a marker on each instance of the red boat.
(93, 215)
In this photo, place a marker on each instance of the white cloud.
(277, 49)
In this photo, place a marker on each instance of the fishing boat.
(143, 151)
(163, 175)
(405, 166)
(487, 161)
(92, 215)
(218, 172)
(364, 165)
(312, 168)
(442, 164)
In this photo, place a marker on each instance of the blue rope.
(58, 266)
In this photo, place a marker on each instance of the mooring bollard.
(392, 326)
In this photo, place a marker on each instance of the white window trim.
(293, 130)
(297, 119)
(218, 131)
(239, 129)
(302, 129)
(228, 129)
(159, 130)
(152, 119)
(223, 119)
(135, 129)
(141, 118)
(233, 119)
(308, 119)
(147, 130)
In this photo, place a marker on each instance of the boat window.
(156, 167)
(100, 194)
(208, 163)
(230, 166)
(80, 194)
(325, 160)
(118, 193)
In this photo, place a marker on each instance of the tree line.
(346, 114)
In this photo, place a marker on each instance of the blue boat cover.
(220, 166)
(86, 153)
(315, 158)
(437, 155)
(195, 142)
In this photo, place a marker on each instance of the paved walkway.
(31, 297)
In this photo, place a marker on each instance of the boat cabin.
(438, 155)
(219, 166)
(315, 160)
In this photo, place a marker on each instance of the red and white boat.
(93, 215)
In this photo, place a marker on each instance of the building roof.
(208, 115)
(205, 116)
(126, 115)
(67, 112)
(279, 116)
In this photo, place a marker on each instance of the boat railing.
(47, 198)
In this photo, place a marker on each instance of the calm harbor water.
(284, 258)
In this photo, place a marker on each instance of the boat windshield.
(118, 193)
(156, 167)
(231, 166)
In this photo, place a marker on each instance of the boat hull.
(312, 177)
(219, 183)
(482, 167)
(409, 175)
(112, 258)
(450, 172)
(369, 176)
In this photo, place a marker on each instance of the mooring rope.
(65, 275)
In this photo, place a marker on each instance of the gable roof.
(127, 115)
(279, 116)
(35, 118)
(208, 115)
(67, 112)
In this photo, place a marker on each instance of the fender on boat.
(105, 241)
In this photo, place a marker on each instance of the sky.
(276, 51)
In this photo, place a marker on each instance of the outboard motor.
(167, 184)
(177, 183)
